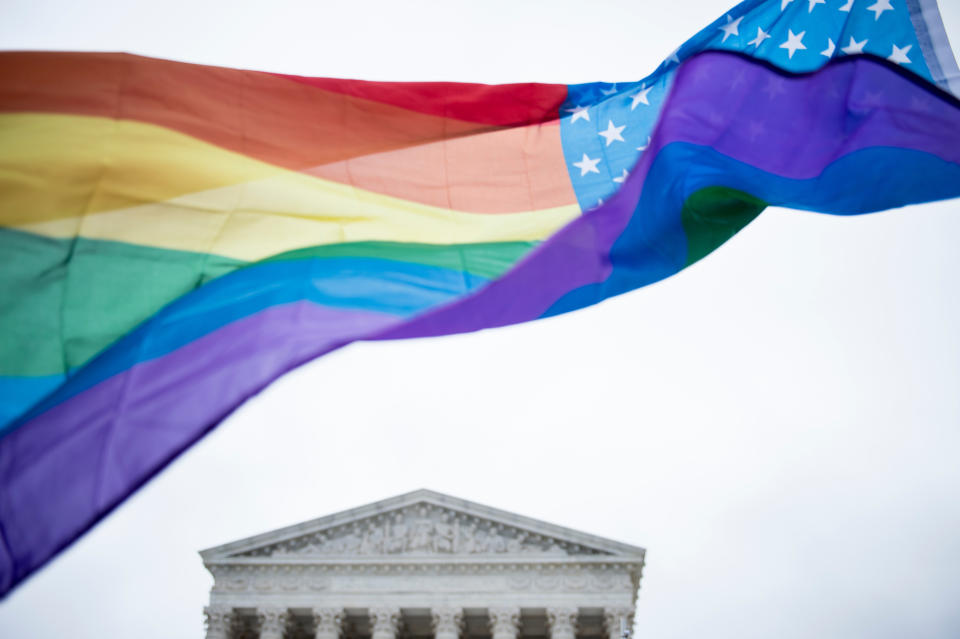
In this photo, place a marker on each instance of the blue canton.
(606, 127)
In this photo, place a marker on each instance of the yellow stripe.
(128, 181)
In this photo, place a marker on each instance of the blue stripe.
(654, 246)
(366, 284)
(17, 394)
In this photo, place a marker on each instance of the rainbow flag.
(174, 237)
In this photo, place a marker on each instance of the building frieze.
(366, 579)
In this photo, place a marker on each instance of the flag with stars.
(606, 126)
(174, 237)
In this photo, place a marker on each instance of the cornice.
(406, 561)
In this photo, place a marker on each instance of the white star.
(900, 55)
(640, 97)
(611, 90)
(784, 3)
(879, 7)
(854, 47)
(645, 145)
(794, 42)
(732, 27)
(612, 133)
(579, 113)
(622, 178)
(673, 57)
(831, 47)
(586, 165)
(846, 7)
(761, 36)
(814, 3)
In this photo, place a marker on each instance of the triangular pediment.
(422, 524)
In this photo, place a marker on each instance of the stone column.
(217, 619)
(447, 622)
(329, 622)
(384, 622)
(618, 622)
(504, 622)
(562, 622)
(273, 622)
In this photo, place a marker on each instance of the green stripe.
(64, 301)
(488, 260)
(713, 215)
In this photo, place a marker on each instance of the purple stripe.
(796, 126)
(64, 470)
(793, 126)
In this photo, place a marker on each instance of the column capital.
(384, 622)
(504, 622)
(272, 621)
(329, 622)
(562, 622)
(217, 620)
(447, 622)
(616, 620)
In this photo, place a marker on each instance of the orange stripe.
(267, 117)
(519, 169)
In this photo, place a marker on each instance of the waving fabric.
(174, 237)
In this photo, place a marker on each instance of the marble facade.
(422, 566)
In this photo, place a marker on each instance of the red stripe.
(497, 104)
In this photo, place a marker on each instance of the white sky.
(779, 425)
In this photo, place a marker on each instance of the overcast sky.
(778, 425)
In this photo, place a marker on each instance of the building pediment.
(418, 559)
(422, 524)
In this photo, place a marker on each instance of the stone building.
(422, 566)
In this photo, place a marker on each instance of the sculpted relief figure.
(480, 542)
(420, 537)
(496, 542)
(372, 540)
(396, 540)
(319, 545)
(483, 542)
(444, 535)
(349, 543)
(468, 539)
